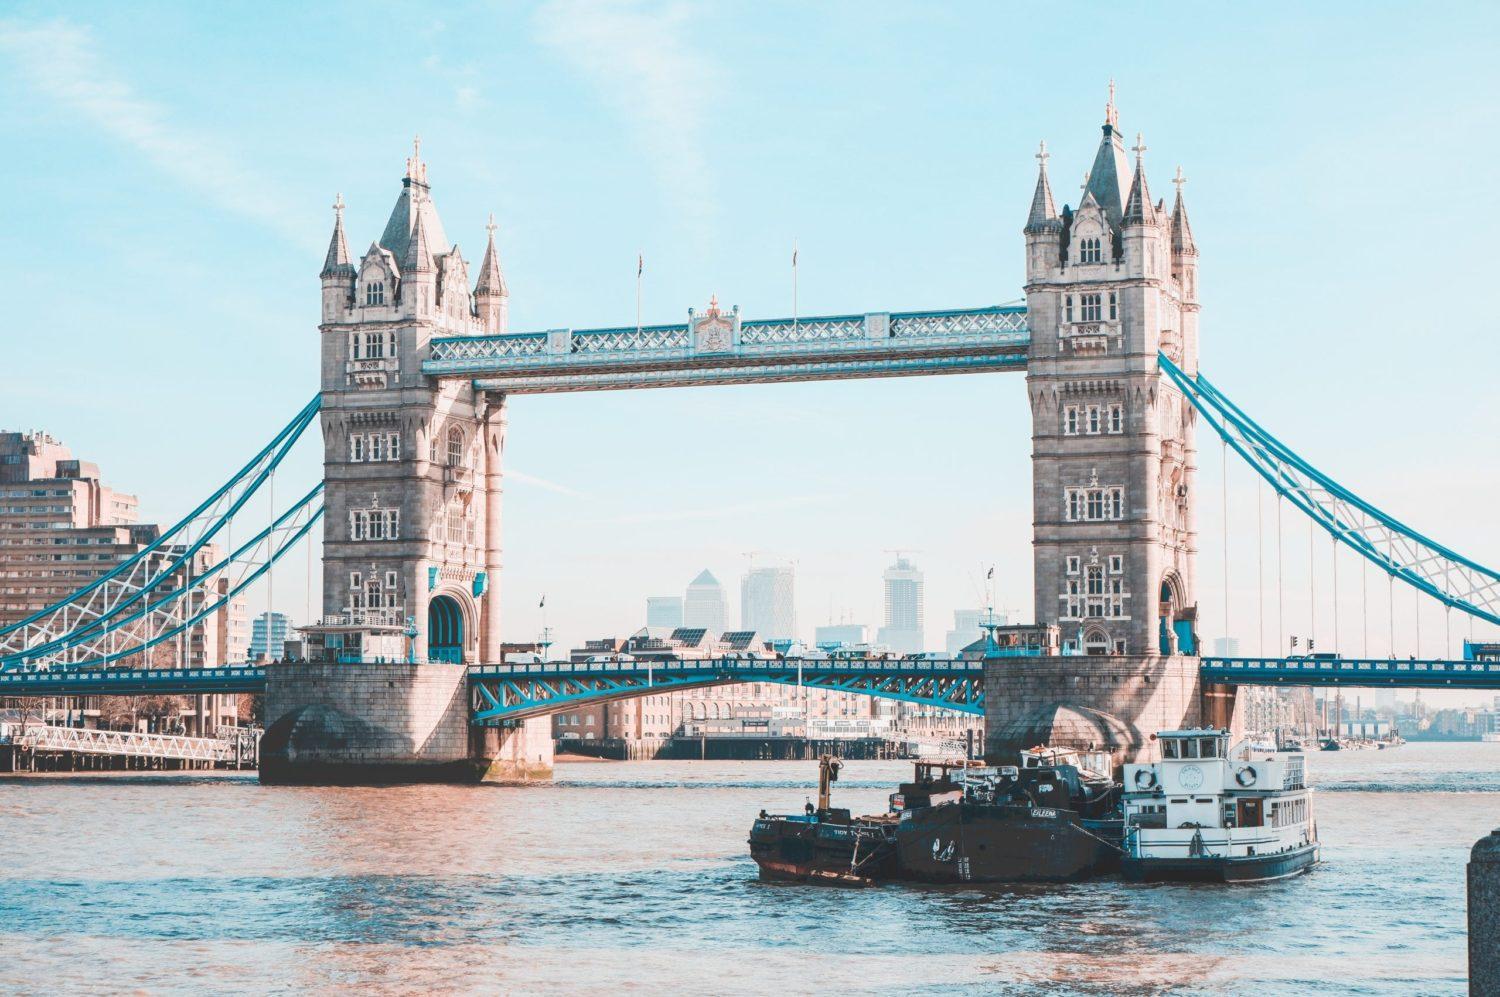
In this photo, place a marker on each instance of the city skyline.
(560, 524)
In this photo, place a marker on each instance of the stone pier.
(349, 724)
(1484, 916)
(1113, 701)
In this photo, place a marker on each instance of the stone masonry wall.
(1147, 693)
(353, 723)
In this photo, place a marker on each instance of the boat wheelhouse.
(1209, 810)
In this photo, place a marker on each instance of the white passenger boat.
(1208, 811)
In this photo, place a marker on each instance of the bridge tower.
(1108, 285)
(412, 478)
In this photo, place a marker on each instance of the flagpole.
(640, 267)
(794, 286)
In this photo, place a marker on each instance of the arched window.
(375, 292)
(455, 446)
(1090, 251)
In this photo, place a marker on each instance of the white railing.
(135, 744)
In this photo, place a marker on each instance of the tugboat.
(1211, 812)
(824, 844)
(1049, 819)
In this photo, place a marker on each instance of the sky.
(172, 167)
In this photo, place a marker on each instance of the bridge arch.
(447, 629)
(1169, 611)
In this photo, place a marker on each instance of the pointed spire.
(337, 261)
(1182, 232)
(1043, 211)
(491, 278)
(418, 258)
(1106, 179)
(1138, 208)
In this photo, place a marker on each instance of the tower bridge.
(417, 369)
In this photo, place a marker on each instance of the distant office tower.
(664, 611)
(841, 634)
(905, 619)
(705, 605)
(766, 603)
(1226, 647)
(967, 628)
(268, 636)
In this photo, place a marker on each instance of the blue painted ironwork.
(93, 613)
(1394, 547)
(1425, 673)
(783, 349)
(507, 693)
(133, 682)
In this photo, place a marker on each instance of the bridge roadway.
(721, 348)
(504, 693)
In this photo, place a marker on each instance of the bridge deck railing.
(902, 666)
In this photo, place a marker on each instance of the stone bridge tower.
(412, 477)
(1108, 285)
(411, 464)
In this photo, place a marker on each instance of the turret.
(491, 297)
(1043, 227)
(338, 268)
(1184, 250)
(1140, 227)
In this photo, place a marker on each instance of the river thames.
(634, 878)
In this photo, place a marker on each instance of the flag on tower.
(640, 264)
(542, 603)
(991, 573)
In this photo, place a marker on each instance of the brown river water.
(634, 878)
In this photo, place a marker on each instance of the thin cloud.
(521, 477)
(720, 511)
(60, 61)
(642, 62)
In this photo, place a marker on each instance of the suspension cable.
(1280, 592)
(1312, 588)
(1416, 606)
(1335, 541)
(1364, 602)
(1224, 494)
(1391, 610)
(1260, 569)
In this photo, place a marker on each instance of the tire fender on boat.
(1144, 779)
(1246, 776)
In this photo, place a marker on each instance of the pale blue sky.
(171, 167)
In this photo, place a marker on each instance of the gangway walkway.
(235, 747)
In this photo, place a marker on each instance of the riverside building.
(62, 527)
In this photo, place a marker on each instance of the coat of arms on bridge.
(713, 331)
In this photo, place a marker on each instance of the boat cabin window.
(1209, 747)
(1169, 748)
(1189, 747)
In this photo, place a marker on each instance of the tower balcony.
(373, 373)
(1089, 338)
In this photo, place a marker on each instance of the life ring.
(1144, 779)
(1245, 776)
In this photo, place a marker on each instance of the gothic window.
(392, 446)
(1070, 421)
(1090, 251)
(1075, 604)
(432, 450)
(1067, 308)
(1116, 564)
(354, 580)
(1116, 419)
(377, 446)
(1095, 579)
(1114, 306)
(390, 580)
(356, 448)
(1073, 563)
(455, 446)
(375, 292)
(1093, 420)
(1093, 504)
(1116, 598)
(1090, 303)
(455, 523)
